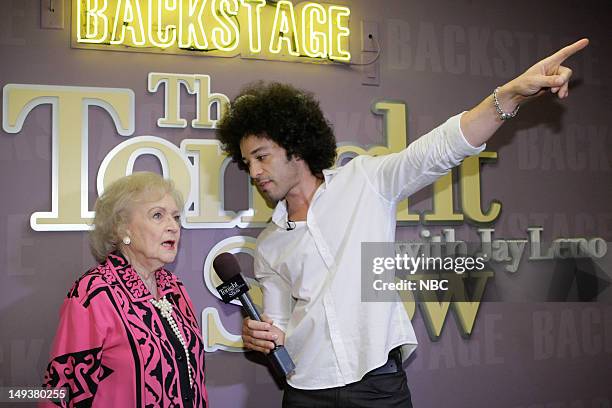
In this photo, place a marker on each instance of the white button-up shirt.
(310, 276)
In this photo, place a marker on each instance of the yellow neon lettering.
(339, 33)
(191, 30)
(128, 17)
(254, 23)
(94, 18)
(162, 35)
(284, 30)
(176, 26)
(314, 42)
(226, 36)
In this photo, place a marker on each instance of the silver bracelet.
(503, 115)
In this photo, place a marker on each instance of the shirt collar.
(129, 278)
(328, 175)
(280, 215)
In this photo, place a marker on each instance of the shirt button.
(186, 398)
(179, 357)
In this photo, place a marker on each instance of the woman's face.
(154, 231)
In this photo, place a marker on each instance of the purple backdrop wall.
(553, 170)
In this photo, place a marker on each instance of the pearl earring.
(127, 240)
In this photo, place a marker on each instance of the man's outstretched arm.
(479, 124)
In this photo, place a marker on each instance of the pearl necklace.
(165, 307)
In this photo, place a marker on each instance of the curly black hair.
(290, 117)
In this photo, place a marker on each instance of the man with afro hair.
(348, 353)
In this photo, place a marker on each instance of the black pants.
(379, 391)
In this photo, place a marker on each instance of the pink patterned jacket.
(112, 350)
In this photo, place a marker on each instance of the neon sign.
(280, 30)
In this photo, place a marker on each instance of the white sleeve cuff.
(458, 140)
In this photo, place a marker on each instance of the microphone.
(234, 287)
(290, 225)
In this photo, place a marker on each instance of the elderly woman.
(128, 335)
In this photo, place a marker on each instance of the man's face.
(268, 166)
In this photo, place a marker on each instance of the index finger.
(265, 318)
(566, 52)
(257, 325)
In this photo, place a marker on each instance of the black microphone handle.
(249, 306)
(280, 360)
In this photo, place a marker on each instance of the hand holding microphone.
(259, 334)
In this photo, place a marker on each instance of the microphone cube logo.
(233, 288)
